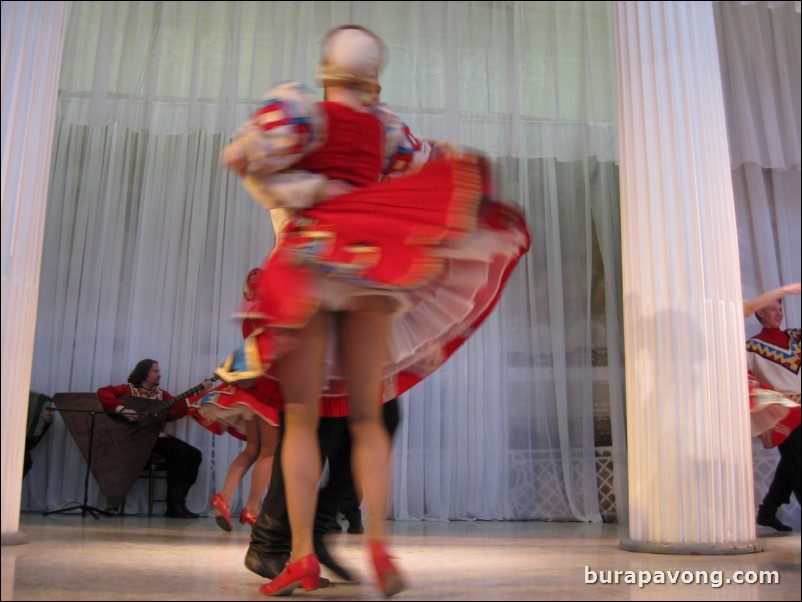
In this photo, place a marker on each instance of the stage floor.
(140, 558)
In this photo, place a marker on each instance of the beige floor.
(137, 558)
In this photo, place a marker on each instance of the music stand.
(84, 507)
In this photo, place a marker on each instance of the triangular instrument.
(120, 449)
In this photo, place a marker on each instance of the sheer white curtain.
(759, 45)
(148, 239)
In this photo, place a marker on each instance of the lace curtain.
(759, 48)
(148, 239)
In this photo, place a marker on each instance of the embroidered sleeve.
(287, 125)
(403, 151)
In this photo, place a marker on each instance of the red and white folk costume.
(226, 408)
(434, 240)
(774, 357)
(109, 398)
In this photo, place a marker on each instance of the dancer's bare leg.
(240, 465)
(363, 339)
(263, 467)
(300, 373)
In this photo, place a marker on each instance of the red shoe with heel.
(304, 573)
(223, 519)
(387, 574)
(247, 517)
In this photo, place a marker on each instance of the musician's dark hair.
(140, 372)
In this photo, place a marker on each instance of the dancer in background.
(247, 415)
(773, 358)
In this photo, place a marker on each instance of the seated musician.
(182, 459)
(40, 417)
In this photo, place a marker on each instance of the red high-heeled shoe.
(304, 573)
(223, 519)
(389, 578)
(246, 516)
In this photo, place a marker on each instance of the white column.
(33, 36)
(690, 461)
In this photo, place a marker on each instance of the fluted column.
(690, 461)
(33, 36)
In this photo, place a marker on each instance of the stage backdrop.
(148, 239)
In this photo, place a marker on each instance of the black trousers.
(340, 492)
(788, 475)
(183, 461)
(27, 463)
(271, 535)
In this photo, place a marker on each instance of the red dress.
(226, 408)
(433, 240)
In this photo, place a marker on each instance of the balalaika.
(170, 403)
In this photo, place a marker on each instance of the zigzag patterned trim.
(787, 358)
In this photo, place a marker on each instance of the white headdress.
(352, 56)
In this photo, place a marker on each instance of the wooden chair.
(156, 468)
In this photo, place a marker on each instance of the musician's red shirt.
(110, 398)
